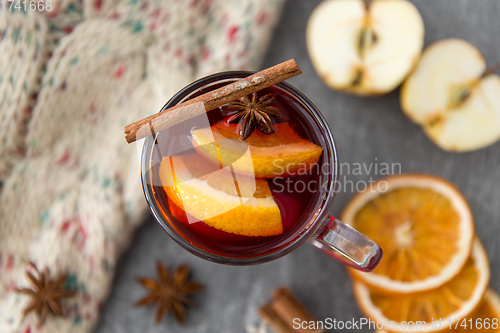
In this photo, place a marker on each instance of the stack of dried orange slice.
(434, 275)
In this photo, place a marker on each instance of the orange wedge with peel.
(222, 199)
(176, 211)
(423, 224)
(281, 154)
(458, 298)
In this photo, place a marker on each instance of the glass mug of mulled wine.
(250, 181)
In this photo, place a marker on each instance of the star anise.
(253, 113)
(171, 291)
(46, 294)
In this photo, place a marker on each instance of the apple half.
(365, 47)
(453, 97)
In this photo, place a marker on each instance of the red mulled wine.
(240, 209)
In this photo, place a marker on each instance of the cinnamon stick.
(211, 100)
(283, 309)
(273, 319)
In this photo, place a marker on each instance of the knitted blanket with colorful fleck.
(70, 79)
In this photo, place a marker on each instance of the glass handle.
(355, 249)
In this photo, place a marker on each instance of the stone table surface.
(367, 130)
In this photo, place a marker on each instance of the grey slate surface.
(365, 129)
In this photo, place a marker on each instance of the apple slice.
(364, 47)
(453, 97)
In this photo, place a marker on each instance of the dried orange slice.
(423, 224)
(456, 299)
(222, 199)
(486, 318)
(281, 154)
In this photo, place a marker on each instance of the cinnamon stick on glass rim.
(210, 100)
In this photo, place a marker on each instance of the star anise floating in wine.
(171, 291)
(46, 294)
(253, 113)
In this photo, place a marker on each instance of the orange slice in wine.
(224, 200)
(281, 154)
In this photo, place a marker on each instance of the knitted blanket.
(70, 79)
